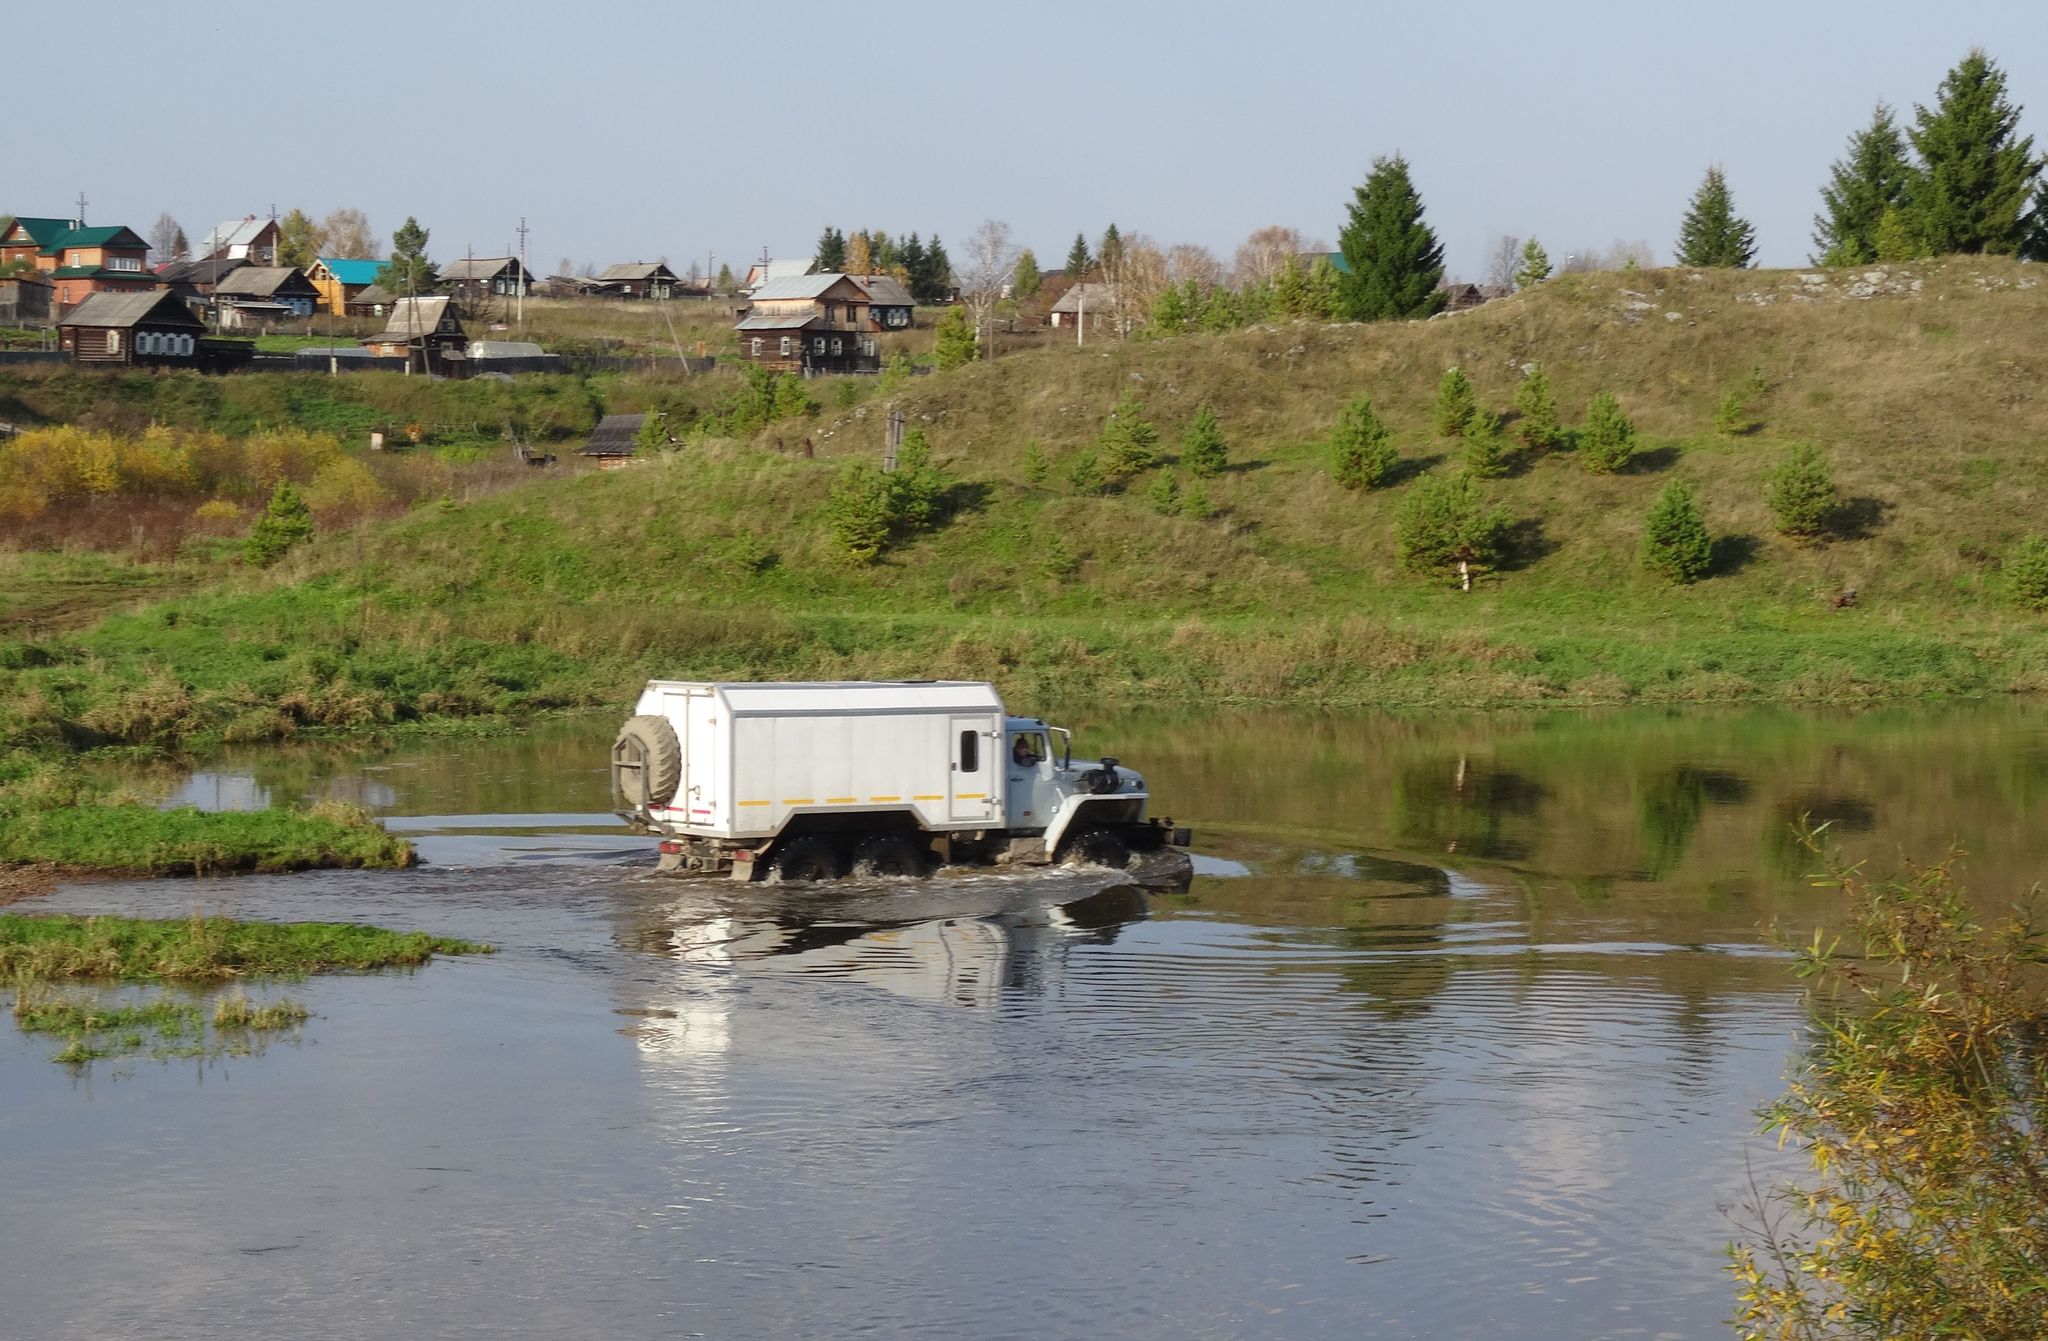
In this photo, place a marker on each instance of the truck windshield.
(1027, 748)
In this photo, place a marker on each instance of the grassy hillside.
(718, 561)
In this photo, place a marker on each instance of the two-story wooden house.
(250, 239)
(338, 279)
(810, 324)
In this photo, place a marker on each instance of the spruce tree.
(1536, 412)
(1025, 281)
(286, 521)
(831, 257)
(1362, 453)
(408, 272)
(1975, 187)
(1110, 254)
(938, 274)
(2026, 573)
(1034, 462)
(1195, 502)
(1128, 442)
(1292, 296)
(1675, 540)
(1800, 491)
(1325, 289)
(1446, 525)
(1712, 234)
(1164, 495)
(1866, 183)
(1079, 262)
(1608, 441)
(1455, 401)
(953, 342)
(1486, 446)
(1535, 265)
(1397, 264)
(1202, 449)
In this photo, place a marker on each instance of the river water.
(1458, 1031)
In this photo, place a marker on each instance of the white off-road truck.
(802, 781)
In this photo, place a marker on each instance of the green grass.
(94, 1028)
(204, 949)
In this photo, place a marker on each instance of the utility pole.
(521, 290)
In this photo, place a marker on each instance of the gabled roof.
(262, 281)
(478, 267)
(615, 435)
(40, 231)
(235, 233)
(631, 271)
(774, 270)
(349, 270)
(106, 236)
(158, 307)
(885, 290)
(375, 293)
(198, 272)
(1099, 296)
(803, 286)
(416, 318)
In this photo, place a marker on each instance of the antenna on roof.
(81, 209)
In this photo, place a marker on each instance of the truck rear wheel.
(1095, 847)
(806, 858)
(888, 854)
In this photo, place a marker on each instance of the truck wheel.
(888, 854)
(654, 783)
(806, 858)
(1095, 847)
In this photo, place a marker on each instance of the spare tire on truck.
(647, 763)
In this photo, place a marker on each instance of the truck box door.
(975, 784)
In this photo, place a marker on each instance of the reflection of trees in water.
(1785, 853)
(1670, 808)
(1464, 808)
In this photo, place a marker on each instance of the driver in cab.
(1023, 752)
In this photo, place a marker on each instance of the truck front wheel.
(889, 854)
(1095, 847)
(806, 858)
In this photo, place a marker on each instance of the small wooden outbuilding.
(614, 440)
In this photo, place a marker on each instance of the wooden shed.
(614, 440)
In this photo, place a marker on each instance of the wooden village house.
(195, 281)
(423, 331)
(614, 441)
(339, 280)
(255, 294)
(812, 324)
(890, 306)
(247, 239)
(153, 329)
(475, 280)
(637, 279)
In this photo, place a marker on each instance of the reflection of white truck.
(808, 781)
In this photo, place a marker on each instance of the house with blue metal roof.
(340, 280)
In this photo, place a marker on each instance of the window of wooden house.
(785, 344)
(817, 344)
(835, 344)
(757, 347)
(113, 342)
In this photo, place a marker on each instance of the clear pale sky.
(631, 131)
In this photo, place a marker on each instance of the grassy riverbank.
(719, 559)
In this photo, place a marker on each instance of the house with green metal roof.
(79, 261)
(26, 237)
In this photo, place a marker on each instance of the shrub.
(895, 373)
(1202, 449)
(1918, 1102)
(1675, 540)
(1455, 401)
(1447, 525)
(1536, 412)
(1128, 443)
(1801, 492)
(791, 402)
(2026, 573)
(285, 522)
(1362, 453)
(1486, 446)
(914, 486)
(216, 516)
(1608, 441)
(344, 487)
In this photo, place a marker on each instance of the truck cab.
(1047, 792)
